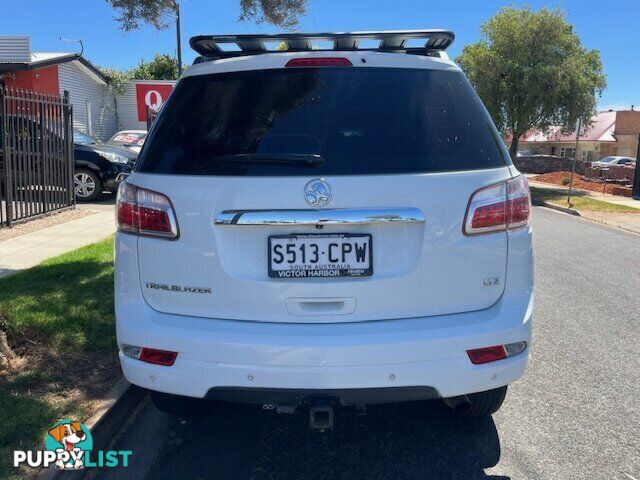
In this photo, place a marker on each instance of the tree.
(162, 67)
(532, 72)
(118, 79)
(162, 13)
(281, 13)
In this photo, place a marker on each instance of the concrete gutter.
(113, 414)
(541, 203)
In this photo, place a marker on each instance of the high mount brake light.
(144, 212)
(319, 62)
(499, 207)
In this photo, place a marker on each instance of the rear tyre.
(486, 403)
(176, 405)
(87, 185)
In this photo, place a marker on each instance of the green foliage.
(281, 13)
(59, 316)
(532, 71)
(118, 79)
(68, 300)
(162, 67)
(160, 13)
(579, 201)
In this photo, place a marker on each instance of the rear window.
(358, 120)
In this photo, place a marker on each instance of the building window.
(567, 152)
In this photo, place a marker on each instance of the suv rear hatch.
(397, 154)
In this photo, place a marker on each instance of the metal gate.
(36, 155)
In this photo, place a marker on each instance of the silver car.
(613, 160)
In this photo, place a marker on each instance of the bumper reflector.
(149, 355)
(479, 356)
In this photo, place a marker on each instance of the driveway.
(106, 204)
(575, 414)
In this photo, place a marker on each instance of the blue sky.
(612, 27)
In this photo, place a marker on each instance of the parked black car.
(98, 167)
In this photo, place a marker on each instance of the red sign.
(152, 95)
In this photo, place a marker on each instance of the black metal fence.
(36, 155)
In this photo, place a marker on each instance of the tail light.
(144, 212)
(479, 356)
(499, 207)
(319, 62)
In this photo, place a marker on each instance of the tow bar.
(321, 415)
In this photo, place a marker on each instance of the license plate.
(324, 255)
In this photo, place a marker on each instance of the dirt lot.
(562, 178)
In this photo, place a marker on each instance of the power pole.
(178, 38)
(575, 156)
(636, 177)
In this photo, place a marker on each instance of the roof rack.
(214, 47)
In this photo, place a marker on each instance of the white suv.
(324, 227)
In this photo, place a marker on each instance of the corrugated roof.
(44, 59)
(601, 130)
(46, 56)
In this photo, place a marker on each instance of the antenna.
(73, 40)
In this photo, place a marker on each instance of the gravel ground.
(42, 223)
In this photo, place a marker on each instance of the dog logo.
(69, 446)
(70, 440)
(317, 193)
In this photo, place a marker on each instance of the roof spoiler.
(214, 47)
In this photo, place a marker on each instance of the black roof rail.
(212, 47)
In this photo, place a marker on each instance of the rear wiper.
(301, 159)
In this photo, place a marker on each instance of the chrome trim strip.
(337, 216)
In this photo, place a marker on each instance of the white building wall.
(94, 109)
(14, 48)
(127, 106)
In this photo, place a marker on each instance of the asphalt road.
(575, 414)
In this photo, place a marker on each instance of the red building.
(52, 73)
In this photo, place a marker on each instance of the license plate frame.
(342, 273)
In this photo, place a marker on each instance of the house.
(97, 111)
(610, 133)
(53, 73)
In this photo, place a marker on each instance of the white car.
(324, 227)
(611, 161)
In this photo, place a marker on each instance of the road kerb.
(570, 211)
(104, 424)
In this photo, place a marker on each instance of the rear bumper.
(344, 396)
(112, 176)
(350, 385)
(253, 361)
